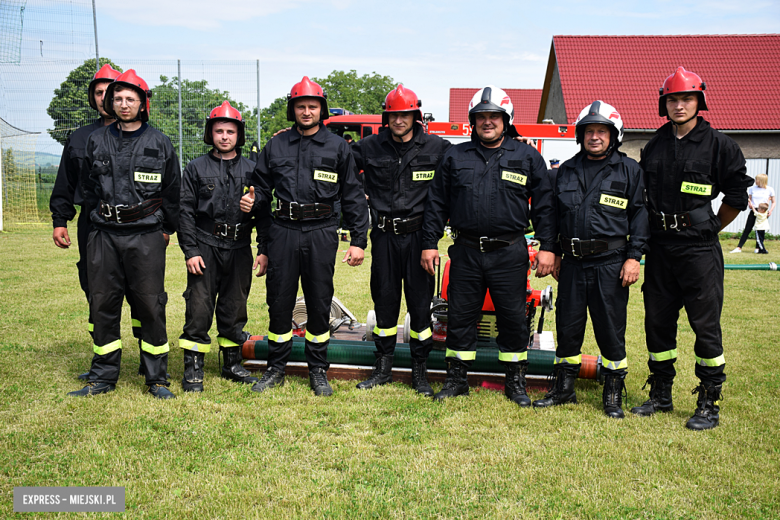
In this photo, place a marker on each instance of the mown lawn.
(385, 453)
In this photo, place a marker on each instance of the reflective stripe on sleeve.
(107, 349)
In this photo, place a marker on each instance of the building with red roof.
(525, 101)
(740, 73)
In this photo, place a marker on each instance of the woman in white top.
(756, 195)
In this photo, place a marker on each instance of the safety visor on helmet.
(493, 99)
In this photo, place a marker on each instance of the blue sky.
(429, 46)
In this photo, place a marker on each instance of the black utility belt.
(680, 221)
(487, 244)
(579, 248)
(295, 211)
(122, 214)
(223, 229)
(399, 226)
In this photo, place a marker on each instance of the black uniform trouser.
(138, 263)
(597, 289)
(82, 236)
(228, 273)
(396, 259)
(751, 221)
(689, 276)
(505, 273)
(310, 256)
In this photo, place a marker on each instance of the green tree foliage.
(359, 94)
(9, 164)
(197, 101)
(69, 108)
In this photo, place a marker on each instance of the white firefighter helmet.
(601, 113)
(492, 99)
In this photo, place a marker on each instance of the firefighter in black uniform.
(483, 188)
(602, 231)
(68, 192)
(215, 236)
(308, 169)
(398, 165)
(132, 187)
(687, 164)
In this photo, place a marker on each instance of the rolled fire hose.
(771, 266)
(361, 353)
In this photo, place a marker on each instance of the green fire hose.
(771, 266)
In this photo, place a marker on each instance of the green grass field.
(384, 453)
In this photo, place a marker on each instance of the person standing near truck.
(398, 166)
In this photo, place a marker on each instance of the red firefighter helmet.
(224, 112)
(681, 81)
(307, 88)
(401, 100)
(129, 79)
(106, 73)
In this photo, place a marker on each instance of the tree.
(69, 108)
(359, 94)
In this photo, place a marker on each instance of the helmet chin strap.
(485, 141)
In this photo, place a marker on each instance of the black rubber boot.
(193, 371)
(514, 385)
(660, 397)
(420, 378)
(318, 381)
(161, 392)
(382, 375)
(273, 377)
(93, 389)
(612, 396)
(455, 383)
(233, 370)
(707, 414)
(561, 389)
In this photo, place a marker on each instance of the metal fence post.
(258, 103)
(97, 53)
(181, 133)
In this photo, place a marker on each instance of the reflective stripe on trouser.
(472, 273)
(135, 263)
(594, 289)
(105, 349)
(222, 289)
(614, 365)
(195, 347)
(310, 256)
(572, 360)
(396, 271)
(689, 276)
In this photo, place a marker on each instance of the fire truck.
(551, 140)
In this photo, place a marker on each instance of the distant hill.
(43, 159)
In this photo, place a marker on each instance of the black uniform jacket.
(397, 186)
(684, 174)
(487, 198)
(307, 170)
(211, 189)
(612, 206)
(124, 168)
(67, 191)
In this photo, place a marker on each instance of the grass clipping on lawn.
(384, 453)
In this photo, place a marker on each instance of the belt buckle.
(676, 224)
(663, 220)
(381, 222)
(235, 230)
(104, 206)
(223, 225)
(291, 210)
(482, 245)
(116, 212)
(395, 225)
(573, 252)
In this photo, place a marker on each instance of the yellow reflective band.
(615, 202)
(463, 355)
(107, 349)
(147, 177)
(135, 323)
(322, 338)
(614, 365)
(91, 327)
(280, 338)
(422, 176)
(154, 350)
(385, 333)
(663, 356)
(517, 178)
(224, 342)
(513, 357)
(713, 362)
(696, 189)
(320, 175)
(254, 149)
(422, 335)
(573, 360)
(195, 347)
